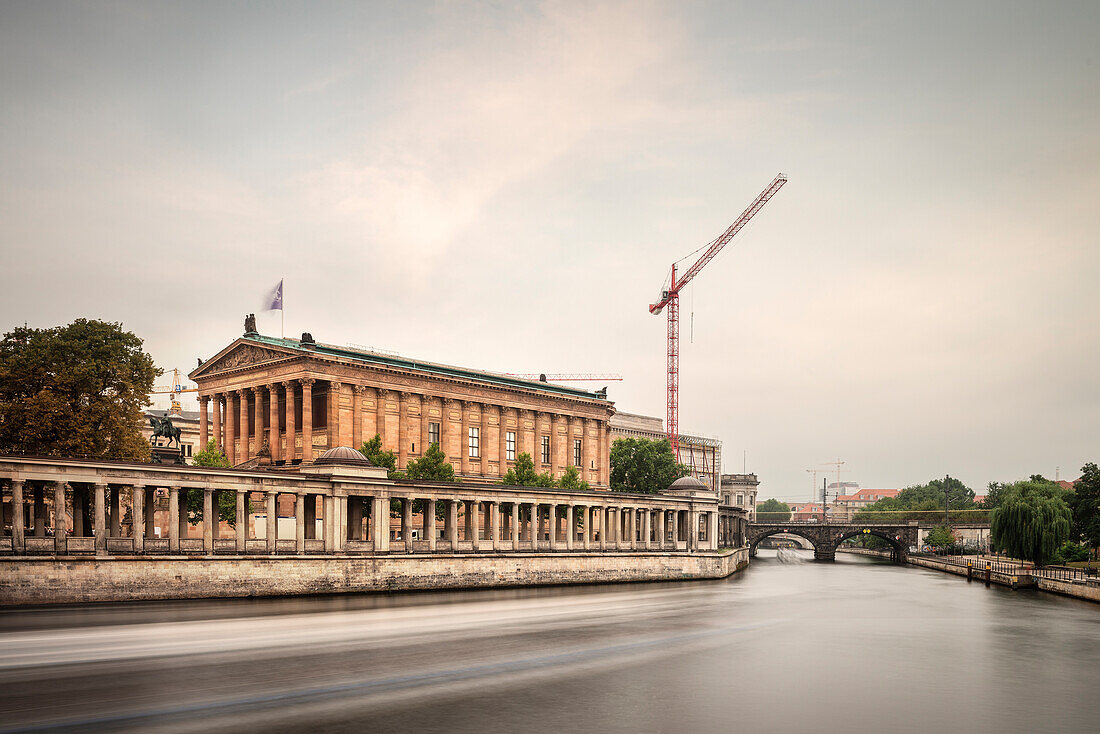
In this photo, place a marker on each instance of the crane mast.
(670, 299)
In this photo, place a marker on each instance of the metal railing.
(1011, 567)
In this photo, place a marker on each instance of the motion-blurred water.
(857, 645)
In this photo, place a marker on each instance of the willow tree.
(1032, 521)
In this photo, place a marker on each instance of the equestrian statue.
(163, 427)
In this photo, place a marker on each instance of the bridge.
(825, 537)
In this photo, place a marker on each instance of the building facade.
(739, 490)
(701, 454)
(295, 398)
(846, 506)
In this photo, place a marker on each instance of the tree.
(432, 467)
(940, 536)
(378, 456)
(523, 474)
(772, 510)
(1084, 501)
(641, 466)
(571, 479)
(75, 390)
(923, 502)
(211, 456)
(1032, 521)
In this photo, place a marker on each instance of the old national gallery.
(300, 398)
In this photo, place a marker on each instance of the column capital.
(272, 387)
(404, 394)
(383, 392)
(306, 381)
(242, 392)
(287, 384)
(257, 389)
(451, 401)
(204, 399)
(360, 389)
(335, 384)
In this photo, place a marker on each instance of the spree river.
(857, 645)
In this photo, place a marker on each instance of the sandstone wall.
(62, 580)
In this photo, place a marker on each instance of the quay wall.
(75, 579)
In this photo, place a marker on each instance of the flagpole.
(282, 309)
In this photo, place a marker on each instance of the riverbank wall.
(74, 579)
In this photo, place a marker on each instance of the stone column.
(407, 523)
(494, 524)
(380, 414)
(207, 520)
(502, 441)
(357, 415)
(173, 517)
(258, 417)
(307, 420)
(513, 526)
(290, 452)
(450, 524)
(18, 522)
(272, 532)
(586, 536)
(534, 523)
(300, 523)
(334, 507)
(402, 429)
(59, 530)
(570, 529)
(242, 428)
(425, 418)
(380, 520)
(464, 436)
(482, 438)
(204, 436)
(137, 499)
(712, 530)
(273, 422)
(473, 524)
(429, 523)
(647, 528)
(231, 413)
(604, 461)
(242, 521)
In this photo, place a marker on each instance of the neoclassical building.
(300, 397)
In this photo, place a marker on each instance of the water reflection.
(788, 645)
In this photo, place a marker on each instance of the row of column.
(231, 411)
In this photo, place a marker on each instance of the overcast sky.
(504, 186)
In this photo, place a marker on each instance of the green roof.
(366, 357)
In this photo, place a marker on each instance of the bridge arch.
(897, 550)
(825, 537)
(809, 538)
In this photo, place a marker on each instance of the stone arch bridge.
(827, 536)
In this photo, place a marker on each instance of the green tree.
(924, 502)
(772, 510)
(432, 467)
(571, 479)
(75, 390)
(1084, 501)
(211, 456)
(378, 456)
(940, 536)
(523, 474)
(1032, 521)
(641, 466)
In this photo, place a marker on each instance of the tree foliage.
(924, 502)
(431, 467)
(75, 390)
(1084, 501)
(571, 479)
(772, 510)
(378, 456)
(940, 536)
(211, 456)
(641, 466)
(1032, 521)
(523, 474)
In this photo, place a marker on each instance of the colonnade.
(473, 434)
(397, 520)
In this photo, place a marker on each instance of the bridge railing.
(1012, 566)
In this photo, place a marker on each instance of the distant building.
(703, 455)
(806, 512)
(847, 505)
(739, 490)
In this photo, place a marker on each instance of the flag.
(275, 298)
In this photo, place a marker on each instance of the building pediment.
(240, 354)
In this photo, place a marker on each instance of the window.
(433, 433)
(576, 452)
(474, 442)
(510, 445)
(545, 449)
(752, 499)
(740, 500)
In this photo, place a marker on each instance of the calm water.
(783, 647)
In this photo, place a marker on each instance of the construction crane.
(175, 390)
(568, 377)
(670, 298)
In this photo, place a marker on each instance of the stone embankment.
(75, 579)
(1022, 578)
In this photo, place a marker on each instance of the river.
(857, 645)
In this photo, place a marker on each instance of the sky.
(505, 185)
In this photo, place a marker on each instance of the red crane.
(670, 297)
